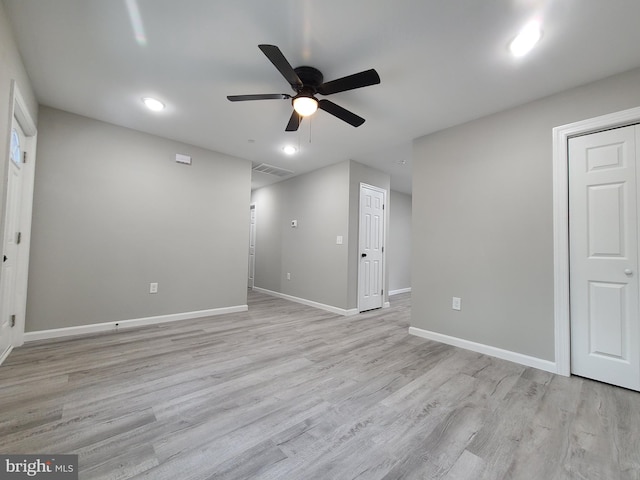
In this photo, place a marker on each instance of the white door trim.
(252, 240)
(561, 302)
(21, 112)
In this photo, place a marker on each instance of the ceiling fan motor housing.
(311, 79)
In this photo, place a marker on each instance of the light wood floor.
(288, 392)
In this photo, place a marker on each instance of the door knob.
(363, 255)
(628, 271)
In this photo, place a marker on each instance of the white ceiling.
(442, 62)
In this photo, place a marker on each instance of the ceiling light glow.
(305, 106)
(153, 104)
(289, 149)
(526, 39)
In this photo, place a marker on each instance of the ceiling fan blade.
(276, 57)
(259, 96)
(342, 113)
(357, 80)
(294, 122)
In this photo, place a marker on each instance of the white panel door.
(11, 242)
(252, 247)
(371, 239)
(603, 226)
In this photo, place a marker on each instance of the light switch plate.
(456, 304)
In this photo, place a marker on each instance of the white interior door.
(603, 226)
(371, 242)
(252, 246)
(11, 239)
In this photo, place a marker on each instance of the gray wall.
(114, 212)
(319, 202)
(483, 219)
(11, 68)
(399, 247)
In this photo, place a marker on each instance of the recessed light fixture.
(289, 149)
(526, 39)
(153, 104)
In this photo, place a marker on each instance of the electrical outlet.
(456, 304)
(153, 287)
(288, 276)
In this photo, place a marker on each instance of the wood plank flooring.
(285, 391)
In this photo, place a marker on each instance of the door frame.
(384, 242)
(561, 267)
(19, 110)
(252, 259)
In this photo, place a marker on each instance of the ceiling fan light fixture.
(305, 106)
(308, 81)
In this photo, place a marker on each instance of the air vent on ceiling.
(271, 170)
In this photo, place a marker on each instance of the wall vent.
(271, 170)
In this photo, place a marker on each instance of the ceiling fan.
(307, 82)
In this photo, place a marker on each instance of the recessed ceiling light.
(526, 39)
(289, 149)
(153, 104)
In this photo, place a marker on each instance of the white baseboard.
(400, 290)
(4, 356)
(122, 324)
(515, 357)
(310, 303)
